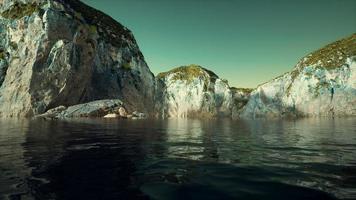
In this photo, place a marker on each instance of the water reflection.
(13, 168)
(82, 160)
(175, 159)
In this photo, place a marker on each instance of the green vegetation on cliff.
(19, 10)
(330, 57)
(333, 55)
(127, 66)
(2, 54)
(110, 30)
(188, 73)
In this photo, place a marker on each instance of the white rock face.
(55, 52)
(322, 84)
(192, 91)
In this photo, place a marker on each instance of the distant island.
(64, 59)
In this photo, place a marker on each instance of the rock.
(240, 98)
(100, 108)
(112, 115)
(122, 112)
(62, 52)
(52, 113)
(321, 84)
(193, 91)
(139, 115)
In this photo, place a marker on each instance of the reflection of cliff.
(13, 169)
(184, 138)
(82, 160)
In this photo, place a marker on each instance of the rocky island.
(62, 58)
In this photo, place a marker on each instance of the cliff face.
(62, 52)
(192, 91)
(322, 84)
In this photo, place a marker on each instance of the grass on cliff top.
(188, 73)
(330, 57)
(19, 10)
(333, 55)
(111, 30)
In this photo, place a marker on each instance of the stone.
(112, 115)
(122, 112)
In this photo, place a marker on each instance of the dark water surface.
(178, 159)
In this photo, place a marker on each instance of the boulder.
(98, 108)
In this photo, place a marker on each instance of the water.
(178, 159)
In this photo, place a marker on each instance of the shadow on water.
(178, 159)
(83, 160)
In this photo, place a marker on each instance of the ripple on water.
(178, 159)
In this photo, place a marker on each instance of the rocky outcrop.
(322, 84)
(193, 91)
(107, 108)
(98, 108)
(62, 52)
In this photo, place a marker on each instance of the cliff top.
(111, 30)
(188, 73)
(333, 55)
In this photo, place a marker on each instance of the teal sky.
(246, 42)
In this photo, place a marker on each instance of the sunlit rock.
(193, 91)
(122, 112)
(322, 84)
(112, 115)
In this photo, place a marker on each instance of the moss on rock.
(189, 73)
(330, 57)
(127, 66)
(19, 10)
(2, 54)
(333, 55)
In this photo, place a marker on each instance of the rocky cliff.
(62, 52)
(193, 91)
(321, 84)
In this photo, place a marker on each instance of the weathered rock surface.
(100, 108)
(322, 84)
(193, 91)
(62, 52)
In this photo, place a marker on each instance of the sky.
(247, 42)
